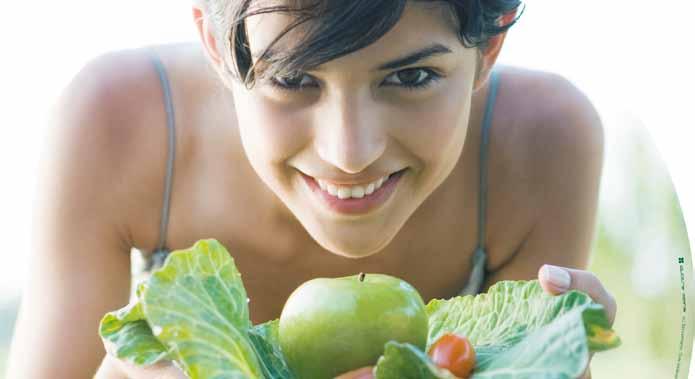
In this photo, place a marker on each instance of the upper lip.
(353, 181)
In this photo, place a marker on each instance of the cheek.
(269, 132)
(435, 128)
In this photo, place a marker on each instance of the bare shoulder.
(546, 143)
(555, 108)
(114, 110)
(556, 124)
(109, 125)
(108, 103)
(97, 148)
(552, 134)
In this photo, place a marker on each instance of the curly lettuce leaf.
(519, 331)
(196, 305)
(266, 341)
(194, 311)
(509, 311)
(599, 334)
(553, 343)
(131, 335)
(407, 361)
(557, 350)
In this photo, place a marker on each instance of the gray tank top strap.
(485, 142)
(479, 260)
(159, 255)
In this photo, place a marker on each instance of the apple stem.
(362, 276)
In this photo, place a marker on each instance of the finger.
(363, 373)
(557, 280)
(160, 370)
(587, 371)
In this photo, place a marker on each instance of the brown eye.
(293, 82)
(412, 78)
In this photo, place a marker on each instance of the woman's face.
(354, 121)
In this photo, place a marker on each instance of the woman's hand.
(558, 280)
(363, 373)
(114, 368)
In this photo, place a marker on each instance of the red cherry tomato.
(454, 353)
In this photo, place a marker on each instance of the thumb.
(557, 280)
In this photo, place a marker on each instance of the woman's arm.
(80, 253)
(567, 147)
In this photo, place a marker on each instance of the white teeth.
(344, 192)
(356, 192)
(370, 189)
(333, 190)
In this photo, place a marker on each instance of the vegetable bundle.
(194, 311)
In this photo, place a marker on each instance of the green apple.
(330, 326)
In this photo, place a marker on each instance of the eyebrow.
(406, 60)
(416, 56)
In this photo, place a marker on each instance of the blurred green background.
(640, 235)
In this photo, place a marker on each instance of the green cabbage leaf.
(194, 311)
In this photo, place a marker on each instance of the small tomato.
(454, 353)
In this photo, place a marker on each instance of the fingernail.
(557, 276)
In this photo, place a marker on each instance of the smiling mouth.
(354, 200)
(353, 191)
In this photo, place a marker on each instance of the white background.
(633, 57)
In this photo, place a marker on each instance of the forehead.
(421, 24)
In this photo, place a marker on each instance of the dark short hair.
(334, 28)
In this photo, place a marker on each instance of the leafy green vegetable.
(519, 331)
(196, 305)
(267, 343)
(194, 310)
(406, 361)
(558, 350)
(500, 317)
(128, 330)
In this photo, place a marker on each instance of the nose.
(350, 134)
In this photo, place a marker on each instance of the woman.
(338, 137)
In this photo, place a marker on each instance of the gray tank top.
(478, 272)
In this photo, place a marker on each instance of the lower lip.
(352, 205)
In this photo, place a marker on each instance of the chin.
(352, 254)
(352, 248)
